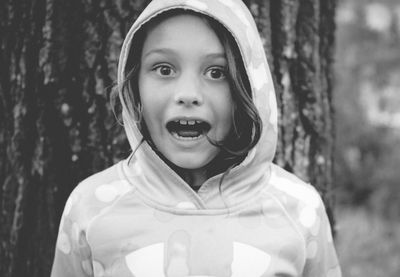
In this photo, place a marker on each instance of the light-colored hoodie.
(140, 219)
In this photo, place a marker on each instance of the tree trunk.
(58, 63)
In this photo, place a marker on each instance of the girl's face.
(184, 90)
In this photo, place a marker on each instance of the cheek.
(152, 113)
(151, 100)
(223, 108)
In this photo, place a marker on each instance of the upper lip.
(188, 120)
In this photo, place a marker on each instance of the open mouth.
(188, 129)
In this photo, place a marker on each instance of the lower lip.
(188, 139)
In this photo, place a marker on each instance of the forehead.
(182, 31)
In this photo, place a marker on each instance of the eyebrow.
(170, 51)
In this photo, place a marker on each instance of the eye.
(164, 70)
(216, 73)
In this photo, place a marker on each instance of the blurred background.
(367, 170)
(56, 127)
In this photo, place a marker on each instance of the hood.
(236, 18)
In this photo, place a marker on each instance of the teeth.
(188, 122)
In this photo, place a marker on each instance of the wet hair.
(247, 126)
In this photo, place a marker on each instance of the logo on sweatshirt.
(177, 258)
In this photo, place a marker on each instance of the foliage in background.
(368, 105)
(367, 244)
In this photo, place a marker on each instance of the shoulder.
(95, 193)
(300, 200)
(100, 186)
(289, 185)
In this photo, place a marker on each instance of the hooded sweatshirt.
(138, 218)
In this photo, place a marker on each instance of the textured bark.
(302, 49)
(58, 62)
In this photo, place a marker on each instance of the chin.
(191, 161)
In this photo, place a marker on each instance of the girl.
(199, 196)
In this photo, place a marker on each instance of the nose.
(188, 91)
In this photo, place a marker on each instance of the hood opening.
(246, 114)
(248, 122)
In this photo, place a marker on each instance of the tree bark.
(58, 63)
(302, 36)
